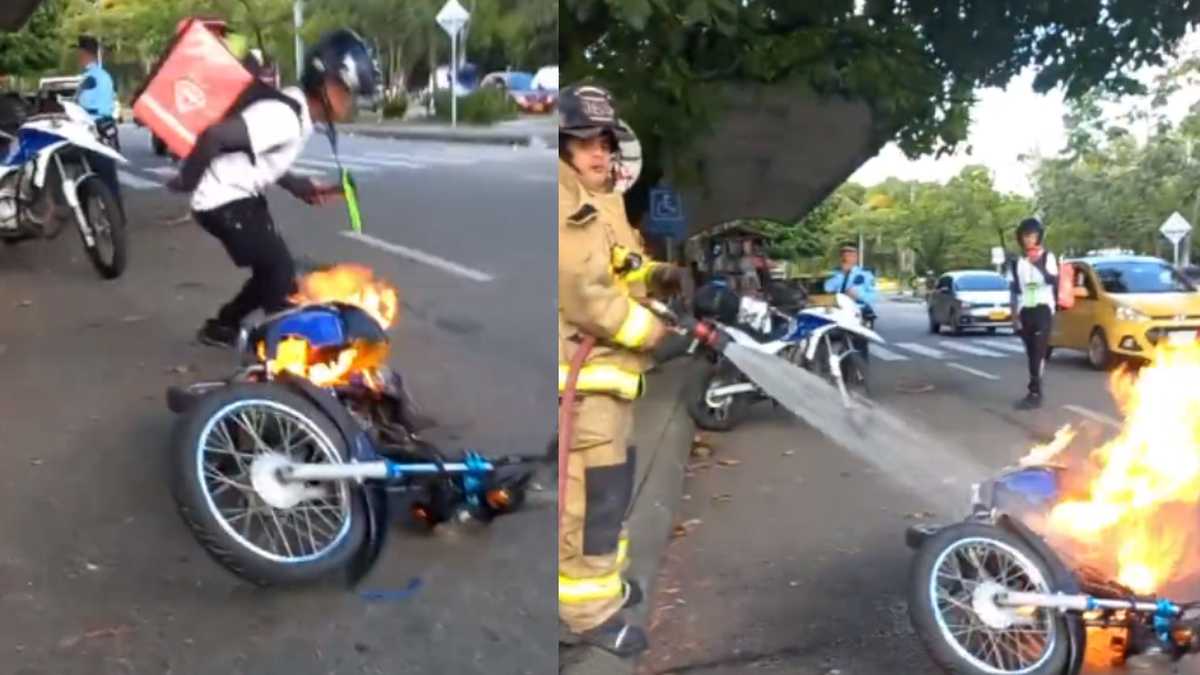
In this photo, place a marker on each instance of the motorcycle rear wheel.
(964, 634)
(224, 433)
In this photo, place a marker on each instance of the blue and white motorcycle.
(823, 340)
(47, 181)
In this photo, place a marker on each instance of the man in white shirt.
(1034, 287)
(235, 160)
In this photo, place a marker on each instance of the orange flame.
(296, 356)
(1138, 514)
(354, 285)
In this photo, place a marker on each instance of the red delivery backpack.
(1066, 285)
(194, 85)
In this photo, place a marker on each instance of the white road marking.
(921, 349)
(1093, 415)
(885, 354)
(968, 349)
(421, 257)
(436, 159)
(968, 369)
(376, 162)
(1014, 346)
(365, 168)
(136, 182)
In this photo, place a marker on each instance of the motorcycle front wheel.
(240, 521)
(709, 415)
(104, 216)
(954, 579)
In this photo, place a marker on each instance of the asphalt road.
(797, 563)
(98, 575)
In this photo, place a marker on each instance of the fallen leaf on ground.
(180, 370)
(788, 453)
(25, 303)
(920, 515)
(685, 528)
(729, 462)
(72, 640)
(133, 318)
(701, 451)
(914, 387)
(723, 498)
(698, 466)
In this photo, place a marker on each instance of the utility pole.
(297, 22)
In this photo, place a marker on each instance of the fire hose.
(566, 418)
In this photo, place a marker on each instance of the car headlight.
(1130, 314)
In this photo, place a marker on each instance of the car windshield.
(981, 282)
(1141, 277)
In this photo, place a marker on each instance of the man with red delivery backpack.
(234, 160)
(1039, 286)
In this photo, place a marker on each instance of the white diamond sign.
(1175, 228)
(452, 17)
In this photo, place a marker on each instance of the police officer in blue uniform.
(97, 95)
(858, 283)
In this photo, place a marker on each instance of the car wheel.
(1099, 356)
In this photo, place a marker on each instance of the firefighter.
(603, 272)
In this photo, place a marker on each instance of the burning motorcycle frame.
(990, 595)
(359, 449)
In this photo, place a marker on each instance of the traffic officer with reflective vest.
(606, 341)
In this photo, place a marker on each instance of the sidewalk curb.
(663, 435)
(470, 137)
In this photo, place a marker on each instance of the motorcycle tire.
(855, 374)
(705, 416)
(202, 515)
(933, 629)
(97, 202)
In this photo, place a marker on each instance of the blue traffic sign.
(666, 214)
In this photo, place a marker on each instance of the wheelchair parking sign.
(666, 213)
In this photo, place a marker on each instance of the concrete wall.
(776, 154)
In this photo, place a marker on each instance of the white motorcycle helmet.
(627, 161)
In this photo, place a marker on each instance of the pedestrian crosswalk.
(366, 160)
(948, 349)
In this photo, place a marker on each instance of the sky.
(1005, 124)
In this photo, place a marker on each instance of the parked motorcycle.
(283, 470)
(989, 595)
(819, 339)
(48, 181)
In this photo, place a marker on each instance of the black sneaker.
(615, 636)
(1030, 402)
(217, 334)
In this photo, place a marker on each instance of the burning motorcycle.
(48, 181)
(818, 339)
(283, 470)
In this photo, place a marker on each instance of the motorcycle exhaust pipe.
(1084, 603)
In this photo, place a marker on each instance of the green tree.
(916, 63)
(37, 46)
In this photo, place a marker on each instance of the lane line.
(968, 369)
(439, 159)
(136, 182)
(391, 163)
(921, 349)
(365, 168)
(968, 349)
(421, 257)
(886, 354)
(1014, 347)
(1093, 415)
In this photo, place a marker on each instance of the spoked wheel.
(229, 452)
(108, 227)
(955, 579)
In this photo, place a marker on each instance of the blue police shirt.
(96, 92)
(861, 279)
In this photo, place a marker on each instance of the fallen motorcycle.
(989, 595)
(283, 470)
(818, 339)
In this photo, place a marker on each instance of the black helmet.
(587, 111)
(344, 57)
(1030, 225)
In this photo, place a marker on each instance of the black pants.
(246, 230)
(106, 170)
(1035, 333)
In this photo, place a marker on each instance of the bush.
(482, 106)
(395, 107)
